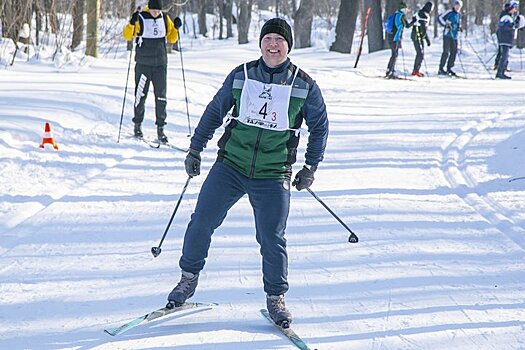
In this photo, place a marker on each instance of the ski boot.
(183, 290)
(451, 73)
(161, 136)
(418, 74)
(137, 131)
(441, 72)
(278, 311)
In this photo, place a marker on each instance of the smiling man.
(270, 97)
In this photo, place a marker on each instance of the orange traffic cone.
(48, 138)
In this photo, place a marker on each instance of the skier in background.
(152, 28)
(451, 20)
(395, 25)
(507, 25)
(419, 33)
(270, 97)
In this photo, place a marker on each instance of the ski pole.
(156, 250)
(460, 60)
(125, 92)
(184, 82)
(363, 31)
(479, 58)
(403, 58)
(353, 237)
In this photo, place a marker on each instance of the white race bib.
(153, 28)
(265, 105)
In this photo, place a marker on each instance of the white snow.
(423, 171)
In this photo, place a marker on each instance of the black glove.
(192, 163)
(177, 22)
(427, 40)
(134, 17)
(304, 178)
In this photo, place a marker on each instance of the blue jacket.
(451, 20)
(400, 22)
(505, 32)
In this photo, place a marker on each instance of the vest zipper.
(255, 149)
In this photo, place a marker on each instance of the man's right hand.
(134, 17)
(192, 163)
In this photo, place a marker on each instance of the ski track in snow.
(419, 170)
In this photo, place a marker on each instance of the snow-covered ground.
(425, 172)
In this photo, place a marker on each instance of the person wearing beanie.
(266, 101)
(151, 29)
(451, 21)
(394, 27)
(507, 25)
(419, 36)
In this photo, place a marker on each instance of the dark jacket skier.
(152, 29)
(507, 26)
(419, 35)
(451, 21)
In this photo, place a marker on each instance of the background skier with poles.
(506, 28)
(270, 97)
(451, 20)
(152, 28)
(419, 33)
(394, 26)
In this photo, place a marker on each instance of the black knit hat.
(155, 4)
(429, 6)
(278, 26)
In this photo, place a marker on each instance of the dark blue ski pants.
(270, 200)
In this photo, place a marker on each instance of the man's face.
(274, 49)
(513, 10)
(154, 13)
(457, 7)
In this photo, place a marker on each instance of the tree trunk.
(494, 18)
(303, 24)
(203, 29)
(221, 17)
(51, 13)
(78, 23)
(228, 8)
(92, 10)
(479, 12)
(345, 27)
(245, 17)
(132, 9)
(375, 26)
(521, 33)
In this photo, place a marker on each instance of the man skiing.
(152, 28)
(419, 33)
(271, 97)
(505, 33)
(451, 20)
(396, 23)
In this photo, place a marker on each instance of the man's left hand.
(177, 22)
(304, 178)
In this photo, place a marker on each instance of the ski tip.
(109, 332)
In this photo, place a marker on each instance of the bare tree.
(375, 26)
(303, 24)
(228, 13)
(521, 33)
(92, 10)
(345, 27)
(244, 18)
(203, 29)
(78, 23)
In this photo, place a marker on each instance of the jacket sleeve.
(172, 34)
(130, 30)
(442, 19)
(315, 116)
(398, 22)
(214, 114)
